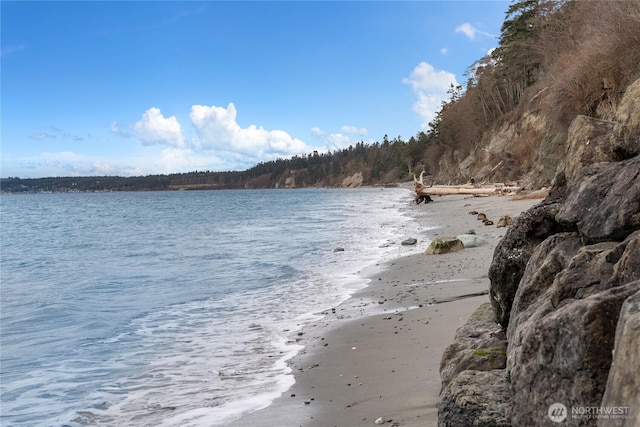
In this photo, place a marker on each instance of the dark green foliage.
(390, 161)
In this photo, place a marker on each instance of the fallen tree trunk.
(423, 190)
(448, 190)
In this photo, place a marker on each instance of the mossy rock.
(444, 245)
(495, 356)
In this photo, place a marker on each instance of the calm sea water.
(173, 308)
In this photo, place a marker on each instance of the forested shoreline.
(379, 164)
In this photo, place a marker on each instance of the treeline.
(555, 59)
(379, 163)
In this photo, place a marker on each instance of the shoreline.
(376, 357)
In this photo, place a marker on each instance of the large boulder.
(475, 398)
(564, 356)
(627, 117)
(513, 252)
(589, 141)
(471, 240)
(605, 205)
(549, 259)
(444, 245)
(480, 344)
(623, 385)
(563, 321)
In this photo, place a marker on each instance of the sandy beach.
(376, 357)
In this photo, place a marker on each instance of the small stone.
(379, 421)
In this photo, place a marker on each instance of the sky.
(158, 87)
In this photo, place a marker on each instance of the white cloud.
(115, 128)
(101, 168)
(354, 130)
(430, 86)
(444, 51)
(154, 128)
(317, 131)
(468, 30)
(339, 141)
(218, 129)
(471, 31)
(42, 135)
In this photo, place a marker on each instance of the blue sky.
(137, 88)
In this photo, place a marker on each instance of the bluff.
(562, 330)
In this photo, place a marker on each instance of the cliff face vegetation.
(556, 60)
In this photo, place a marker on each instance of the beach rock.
(627, 117)
(623, 384)
(589, 141)
(409, 242)
(504, 221)
(548, 260)
(480, 344)
(562, 322)
(444, 245)
(475, 398)
(471, 240)
(513, 252)
(605, 204)
(564, 355)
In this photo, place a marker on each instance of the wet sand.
(376, 357)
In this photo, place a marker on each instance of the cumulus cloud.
(339, 141)
(354, 130)
(218, 129)
(154, 128)
(430, 86)
(317, 131)
(471, 31)
(101, 168)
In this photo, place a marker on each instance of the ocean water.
(173, 308)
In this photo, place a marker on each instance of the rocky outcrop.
(513, 252)
(475, 398)
(565, 286)
(605, 203)
(475, 389)
(479, 345)
(624, 382)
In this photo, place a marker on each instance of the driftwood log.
(423, 191)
